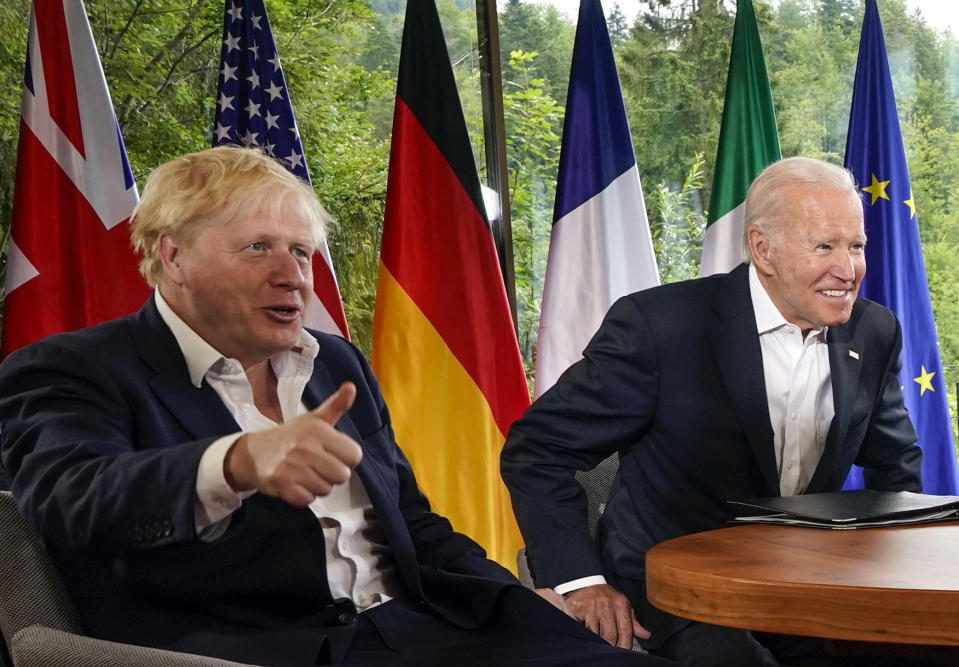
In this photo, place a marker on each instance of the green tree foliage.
(673, 74)
(533, 124)
(13, 38)
(543, 30)
(678, 227)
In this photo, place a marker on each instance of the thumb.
(336, 404)
(639, 630)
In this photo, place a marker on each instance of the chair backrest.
(597, 483)
(31, 590)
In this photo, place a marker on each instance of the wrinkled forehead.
(810, 206)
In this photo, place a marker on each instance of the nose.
(289, 272)
(845, 267)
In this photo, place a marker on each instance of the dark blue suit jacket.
(673, 381)
(102, 433)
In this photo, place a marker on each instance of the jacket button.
(346, 617)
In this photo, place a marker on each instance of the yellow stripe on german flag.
(449, 435)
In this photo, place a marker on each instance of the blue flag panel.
(896, 273)
(595, 131)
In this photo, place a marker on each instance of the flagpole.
(491, 92)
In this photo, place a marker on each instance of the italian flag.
(748, 142)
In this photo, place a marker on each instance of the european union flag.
(896, 273)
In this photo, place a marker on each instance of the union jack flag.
(70, 262)
(253, 109)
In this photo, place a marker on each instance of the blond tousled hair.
(212, 186)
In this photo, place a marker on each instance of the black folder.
(848, 509)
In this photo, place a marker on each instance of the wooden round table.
(896, 585)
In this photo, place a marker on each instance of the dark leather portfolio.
(848, 509)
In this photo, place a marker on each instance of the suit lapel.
(199, 410)
(845, 367)
(735, 344)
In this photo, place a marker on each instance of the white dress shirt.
(798, 389)
(356, 563)
(799, 392)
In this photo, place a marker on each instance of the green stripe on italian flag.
(748, 141)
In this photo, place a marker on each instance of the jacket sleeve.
(80, 472)
(890, 458)
(603, 404)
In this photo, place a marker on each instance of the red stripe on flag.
(87, 273)
(440, 250)
(57, 63)
(325, 287)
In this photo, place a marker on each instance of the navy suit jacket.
(673, 381)
(102, 433)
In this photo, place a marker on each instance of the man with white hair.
(211, 477)
(772, 379)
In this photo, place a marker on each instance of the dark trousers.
(524, 631)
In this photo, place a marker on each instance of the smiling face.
(812, 261)
(243, 283)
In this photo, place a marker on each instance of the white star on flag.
(236, 12)
(295, 159)
(222, 133)
(228, 72)
(232, 43)
(275, 91)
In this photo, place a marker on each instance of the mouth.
(834, 292)
(284, 314)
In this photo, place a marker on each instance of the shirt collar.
(768, 317)
(200, 356)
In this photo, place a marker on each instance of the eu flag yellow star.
(877, 189)
(924, 381)
(912, 206)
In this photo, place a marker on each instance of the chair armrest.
(39, 646)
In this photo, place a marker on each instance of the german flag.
(444, 347)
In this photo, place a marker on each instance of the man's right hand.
(300, 459)
(607, 612)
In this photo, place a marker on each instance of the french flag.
(70, 260)
(600, 246)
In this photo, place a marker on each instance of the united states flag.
(253, 109)
(70, 260)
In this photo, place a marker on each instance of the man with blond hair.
(211, 477)
(772, 379)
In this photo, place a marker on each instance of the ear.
(760, 249)
(170, 254)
